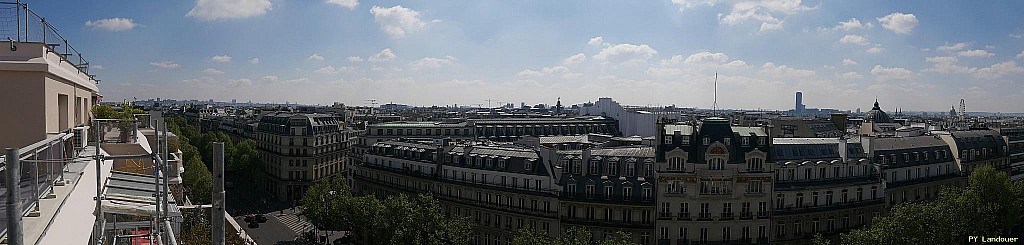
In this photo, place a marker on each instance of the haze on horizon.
(919, 56)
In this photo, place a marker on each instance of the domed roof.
(876, 115)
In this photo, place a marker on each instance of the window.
(590, 191)
(608, 190)
(745, 141)
(627, 192)
(780, 201)
(705, 210)
(716, 163)
(707, 141)
(630, 169)
(754, 186)
(675, 164)
(593, 167)
(647, 193)
(668, 140)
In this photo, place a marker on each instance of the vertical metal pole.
(156, 183)
(218, 194)
(167, 189)
(15, 235)
(17, 8)
(98, 230)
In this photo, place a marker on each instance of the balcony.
(636, 224)
(823, 208)
(762, 215)
(825, 183)
(664, 216)
(746, 215)
(933, 178)
(704, 217)
(726, 216)
(683, 216)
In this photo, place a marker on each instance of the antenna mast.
(714, 106)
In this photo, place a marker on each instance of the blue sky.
(918, 55)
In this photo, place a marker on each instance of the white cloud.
(596, 41)
(99, 67)
(977, 53)
(575, 59)
(355, 59)
(688, 4)
(198, 82)
(851, 24)
(762, 11)
(165, 64)
(327, 70)
(999, 70)
(854, 39)
(951, 47)
(625, 53)
(112, 24)
(239, 82)
(1020, 55)
(254, 60)
(429, 62)
(851, 76)
(883, 74)
(383, 55)
(555, 70)
(350, 4)
(876, 49)
(271, 78)
(397, 21)
(849, 62)
(221, 58)
(783, 71)
(208, 10)
(211, 71)
(947, 64)
(1017, 36)
(899, 22)
(315, 57)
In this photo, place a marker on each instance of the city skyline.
(842, 55)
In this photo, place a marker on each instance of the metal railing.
(18, 23)
(42, 165)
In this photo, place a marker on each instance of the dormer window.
(685, 140)
(745, 141)
(707, 141)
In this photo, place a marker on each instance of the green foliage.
(991, 205)
(573, 236)
(197, 177)
(401, 219)
(104, 111)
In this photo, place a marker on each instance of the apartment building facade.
(914, 168)
(716, 183)
(299, 149)
(606, 190)
(501, 188)
(822, 185)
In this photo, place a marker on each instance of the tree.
(990, 205)
(198, 180)
(573, 236)
(399, 219)
(325, 202)
(104, 111)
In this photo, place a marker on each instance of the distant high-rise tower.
(963, 110)
(799, 102)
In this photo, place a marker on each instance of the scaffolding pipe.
(170, 233)
(15, 235)
(97, 232)
(217, 231)
(167, 190)
(157, 196)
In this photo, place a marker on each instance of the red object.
(142, 240)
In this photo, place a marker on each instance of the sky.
(916, 55)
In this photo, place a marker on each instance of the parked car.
(250, 218)
(254, 225)
(260, 218)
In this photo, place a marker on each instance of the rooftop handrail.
(32, 28)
